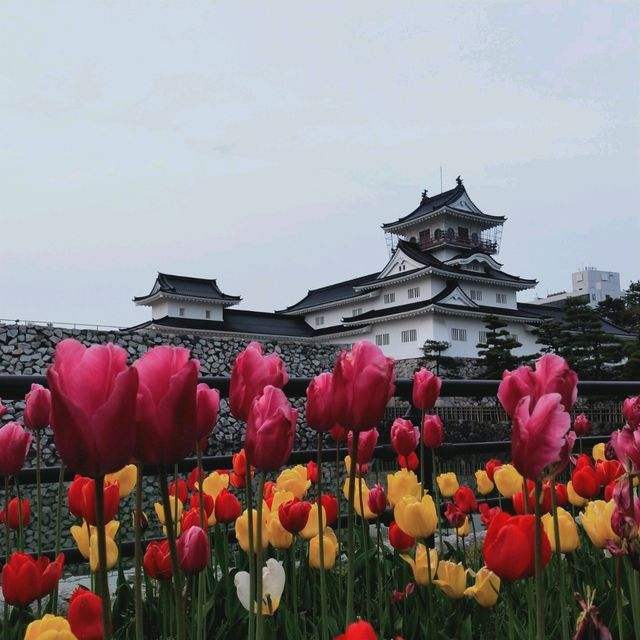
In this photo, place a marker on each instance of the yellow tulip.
(311, 528)
(423, 572)
(94, 558)
(242, 530)
(279, 537)
(452, 578)
(330, 546)
(484, 484)
(575, 499)
(360, 483)
(402, 483)
(417, 518)
(508, 481)
(448, 484)
(126, 479)
(486, 587)
(295, 481)
(176, 514)
(464, 529)
(82, 534)
(214, 483)
(567, 530)
(49, 628)
(596, 521)
(598, 452)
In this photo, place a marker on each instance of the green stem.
(365, 542)
(321, 525)
(252, 558)
(429, 588)
(350, 518)
(20, 522)
(227, 572)
(138, 555)
(39, 492)
(171, 535)
(7, 553)
(58, 529)
(339, 527)
(294, 582)
(538, 561)
(260, 617)
(558, 553)
(379, 573)
(204, 525)
(102, 558)
(422, 478)
(619, 618)
(436, 493)
(509, 604)
(203, 521)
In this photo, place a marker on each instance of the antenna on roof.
(440, 178)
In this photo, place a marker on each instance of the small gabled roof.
(332, 293)
(446, 198)
(185, 286)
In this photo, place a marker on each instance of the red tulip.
(363, 383)
(85, 615)
(426, 389)
(183, 490)
(207, 503)
(191, 518)
(228, 507)
(25, 579)
(37, 408)
(608, 470)
(465, 500)
(93, 407)
(166, 413)
(509, 546)
(545, 504)
(583, 460)
(271, 430)
(294, 515)
(377, 500)
(193, 550)
(197, 475)
(320, 403)
(631, 411)
(585, 482)
(237, 481)
(410, 462)
(240, 463)
(339, 433)
(207, 405)
(251, 373)
(552, 375)
(405, 437)
(312, 471)
(358, 631)
(3, 409)
(157, 560)
(14, 446)
(454, 515)
(562, 496)
(82, 499)
(538, 436)
(14, 513)
(487, 514)
(330, 505)
(398, 539)
(432, 431)
(367, 442)
(581, 425)
(491, 466)
(50, 573)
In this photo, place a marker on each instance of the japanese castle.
(441, 280)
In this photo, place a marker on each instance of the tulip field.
(544, 543)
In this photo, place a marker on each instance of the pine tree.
(496, 351)
(433, 350)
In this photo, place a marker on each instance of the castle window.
(501, 298)
(181, 311)
(482, 336)
(356, 312)
(207, 314)
(438, 234)
(476, 294)
(450, 233)
(425, 236)
(414, 292)
(474, 238)
(463, 233)
(382, 339)
(410, 335)
(319, 321)
(459, 335)
(389, 298)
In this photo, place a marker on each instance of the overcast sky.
(264, 144)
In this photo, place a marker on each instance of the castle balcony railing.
(464, 457)
(488, 246)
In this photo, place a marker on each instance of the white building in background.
(590, 282)
(441, 280)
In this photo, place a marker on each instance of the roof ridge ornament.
(424, 196)
(459, 181)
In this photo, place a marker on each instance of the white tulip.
(273, 579)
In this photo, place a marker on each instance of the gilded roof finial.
(459, 181)
(424, 196)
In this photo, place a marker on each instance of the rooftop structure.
(593, 284)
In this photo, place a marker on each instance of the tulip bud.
(491, 466)
(228, 507)
(37, 408)
(585, 482)
(567, 530)
(330, 505)
(312, 472)
(631, 411)
(426, 389)
(376, 500)
(193, 550)
(581, 425)
(320, 402)
(339, 433)
(405, 437)
(454, 516)
(465, 500)
(367, 442)
(157, 560)
(432, 431)
(14, 446)
(183, 490)
(85, 614)
(14, 513)
(207, 405)
(448, 484)
(452, 579)
(398, 539)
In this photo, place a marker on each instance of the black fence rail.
(14, 387)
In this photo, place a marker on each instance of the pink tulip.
(271, 430)
(626, 444)
(426, 389)
(405, 437)
(93, 406)
(538, 436)
(3, 409)
(251, 373)
(367, 442)
(363, 383)
(581, 425)
(377, 500)
(630, 411)
(193, 550)
(432, 431)
(552, 375)
(37, 407)
(14, 446)
(207, 405)
(166, 412)
(320, 403)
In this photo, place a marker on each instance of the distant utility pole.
(440, 178)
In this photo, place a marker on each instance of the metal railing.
(60, 325)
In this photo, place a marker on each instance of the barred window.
(319, 321)
(414, 292)
(501, 298)
(357, 312)
(382, 339)
(389, 297)
(482, 336)
(476, 294)
(459, 335)
(410, 335)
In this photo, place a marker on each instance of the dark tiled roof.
(494, 311)
(467, 253)
(332, 293)
(189, 287)
(429, 205)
